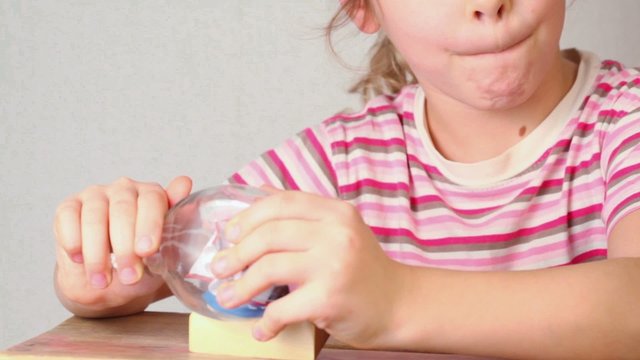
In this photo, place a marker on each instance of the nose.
(488, 10)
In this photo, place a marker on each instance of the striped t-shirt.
(550, 200)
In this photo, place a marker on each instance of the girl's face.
(488, 54)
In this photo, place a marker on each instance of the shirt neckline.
(522, 155)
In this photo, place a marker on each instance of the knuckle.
(322, 318)
(68, 245)
(268, 269)
(265, 239)
(93, 191)
(67, 207)
(155, 193)
(347, 212)
(348, 242)
(97, 263)
(150, 224)
(118, 191)
(153, 186)
(321, 314)
(273, 318)
(284, 199)
(124, 181)
(122, 205)
(92, 218)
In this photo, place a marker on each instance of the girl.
(400, 226)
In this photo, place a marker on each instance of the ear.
(363, 16)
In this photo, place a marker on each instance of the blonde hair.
(388, 72)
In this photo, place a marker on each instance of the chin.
(503, 90)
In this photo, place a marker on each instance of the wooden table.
(156, 335)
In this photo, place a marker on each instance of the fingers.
(271, 270)
(271, 237)
(125, 218)
(67, 229)
(95, 237)
(293, 308)
(283, 205)
(178, 189)
(152, 205)
(123, 208)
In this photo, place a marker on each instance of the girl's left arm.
(581, 311)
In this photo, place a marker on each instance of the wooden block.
(233, 338)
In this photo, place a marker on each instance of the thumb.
(178, 189)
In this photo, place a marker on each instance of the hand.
(341, 279)
(124, 218)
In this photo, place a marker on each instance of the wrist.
(397, 329)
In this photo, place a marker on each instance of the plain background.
(94, 90)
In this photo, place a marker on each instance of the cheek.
(549, 15)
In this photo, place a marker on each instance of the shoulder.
(611, 97)
(383, 115)
(617, 86)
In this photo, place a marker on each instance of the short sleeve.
(620, 159)
(302, 163)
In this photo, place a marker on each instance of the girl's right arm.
(124, 219)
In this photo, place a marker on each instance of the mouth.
(500, 49)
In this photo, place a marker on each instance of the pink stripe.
(383, 125)
(415, 201)
(238, 179)
(613, 192)
(614, 213)
(606, 87)
(379, 213)
(491, 238)
(584, 257)
(613, 113)
(291, 184)
(369, 142)
(302, 162)
(365, 183)
(533, 255)
(368, 162)
(618, 149)
(624, 172)
(259, 170)
(408, 116)
(631, 97)
(429, 169)
(345, 118)
(323, 155)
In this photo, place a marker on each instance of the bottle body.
(193, 233)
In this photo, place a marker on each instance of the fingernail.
(220, 264)
(258, 334)
(98, 280)
(232, 230)
(225, 294)
(77, 258)
(128, 275)
(144, 243)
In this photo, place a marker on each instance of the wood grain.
(156, 335)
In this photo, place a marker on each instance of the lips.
(487, 44)
(501, 49)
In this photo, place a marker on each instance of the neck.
(465, 134)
